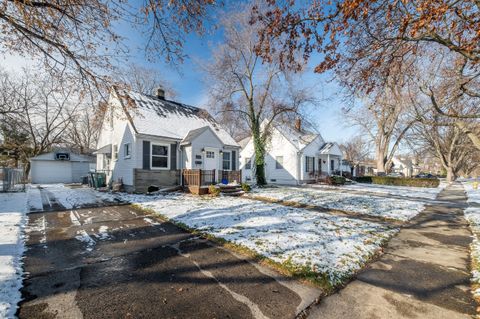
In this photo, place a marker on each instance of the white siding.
(278, 146)
(79, 169)
(206, 140)
(187, 157)
(310, 150)
(122, 167)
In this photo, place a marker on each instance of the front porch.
(196, 181)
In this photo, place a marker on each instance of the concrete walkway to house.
(424, 272)
(122, 262)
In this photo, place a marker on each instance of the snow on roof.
(164, 118)
(73, 157)
(299, 138)
(193, 134)
(244, 141)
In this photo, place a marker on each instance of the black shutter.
(173, 157)
(306, 163)
(234, 160)
(146, 154)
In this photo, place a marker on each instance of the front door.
(319, 166)
(211, 160)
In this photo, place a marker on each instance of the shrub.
(246, 188)
(363, 179)
(214, 190)
(336, 180)
(400, 181)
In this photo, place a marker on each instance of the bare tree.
(80, 39)
(385, 120)
(241, 84)
(355, 151)
(368, 42)
(144, 80)
(46, 106)
(84, 129)
(448, 144)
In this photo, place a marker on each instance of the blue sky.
(188, 80)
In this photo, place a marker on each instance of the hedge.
(399, 181)
(336, 180)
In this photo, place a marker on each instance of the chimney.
(298, 124)
(159, 93)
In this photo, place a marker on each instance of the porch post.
(328, 164)
(341, 164)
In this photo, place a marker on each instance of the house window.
(115, 152)
(279, 162)
(309, 164)
(226, 162)
(127, 151)
(210, 154)
(332, 165)
(248, 163)
(159, 156)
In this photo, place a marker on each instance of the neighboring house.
(60, 167)
(294, 156)
(147, 140)
(365, 168)
(404, 166)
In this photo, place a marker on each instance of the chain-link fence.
(11, 180)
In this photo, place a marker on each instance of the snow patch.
(83, 236)
(399, 209)
(13, 208)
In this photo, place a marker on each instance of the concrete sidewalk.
(424, 272)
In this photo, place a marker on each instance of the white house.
(404, 166)
(294, 156)
(147, 140)
(60, 167)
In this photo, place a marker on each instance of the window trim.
(248, 163)
(115, 152)
(210, 151)
(229, 160)
(125, 147)
(277, 164)
(168, 156)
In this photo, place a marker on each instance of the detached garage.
(60, 167)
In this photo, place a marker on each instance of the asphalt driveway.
(121, 262)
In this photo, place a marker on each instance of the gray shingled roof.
(164, 118)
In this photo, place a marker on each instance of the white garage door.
(47, 172)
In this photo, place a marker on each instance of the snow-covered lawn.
(398, 209)
(472, 214)
(332, 246)
(13, 208)
(404, 191)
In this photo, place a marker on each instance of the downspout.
(299, 166)
(180, 166)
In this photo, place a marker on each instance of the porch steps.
(231, 190)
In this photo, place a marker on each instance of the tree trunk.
(380, 160)
(259, 149)
(26, 169)
(450, 175)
